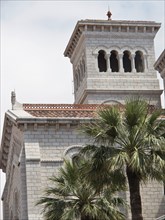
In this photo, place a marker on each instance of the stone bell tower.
(113, 59)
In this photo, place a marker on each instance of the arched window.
(102, 64)
(114, 64)
(139, 62)
(72, 151)
(127, 61)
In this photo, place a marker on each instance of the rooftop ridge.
(69, 110)
(63, 110)
(59, 106)
(111, 21)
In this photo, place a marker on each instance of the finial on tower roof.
(109, 14)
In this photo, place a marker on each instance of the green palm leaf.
(71, 196)
(131, 139)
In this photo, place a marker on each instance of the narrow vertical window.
(11, 215)
(102, 65)
(16, 208)
(139, 62)
(76, 82)
(114, 64)
(84, 68)
(78, 79)
(82, 71)
(127, 61)
(80, 75)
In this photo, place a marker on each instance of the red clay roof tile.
(61, 110)
(65, 110)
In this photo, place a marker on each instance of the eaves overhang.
(159, 65)
(12, 119)
(160, 60)
(5, 142)
(98, 26)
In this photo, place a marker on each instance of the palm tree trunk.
(135, 198)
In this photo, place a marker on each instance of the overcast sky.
(34, 35)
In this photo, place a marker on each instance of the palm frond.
(133, 138)
(71, 196)
(52, 208)
(135, 113)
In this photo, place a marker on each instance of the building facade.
(111, 61)
(160, 67)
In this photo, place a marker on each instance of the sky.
(34, 35)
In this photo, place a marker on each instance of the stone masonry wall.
(44, 150)
(104, 97)
(153, 200)
(15, 189)
(117, 81)
(46, 147)
(41, 154)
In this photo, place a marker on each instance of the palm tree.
(132, 139)
(71, 197)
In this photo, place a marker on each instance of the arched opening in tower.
(102, 64)
(114, 64)
(127, 61)
(139, 62)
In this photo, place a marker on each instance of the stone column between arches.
(121, 69)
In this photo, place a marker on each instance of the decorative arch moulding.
(120, 50)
